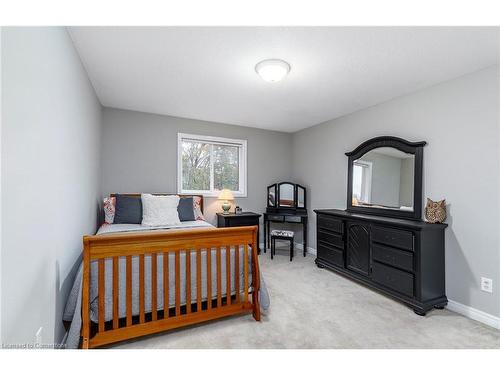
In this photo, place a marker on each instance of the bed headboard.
(180, 195)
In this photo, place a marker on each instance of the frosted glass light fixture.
(272, 70)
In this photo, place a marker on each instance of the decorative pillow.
(109, 209)
(159, 210)
(198, 215)
(128, 210)
(186, 209)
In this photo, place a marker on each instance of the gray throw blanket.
(72, 312)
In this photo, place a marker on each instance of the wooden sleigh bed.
(167, 247)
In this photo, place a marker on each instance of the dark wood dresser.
(402, 258)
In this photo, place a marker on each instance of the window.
(362, 181)
(206, 165)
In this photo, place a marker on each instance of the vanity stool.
(286, 235)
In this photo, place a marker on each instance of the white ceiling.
(207, 73)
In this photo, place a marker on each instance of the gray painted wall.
(460, 121)
(51, 124)
(386, 176)
(140, 155)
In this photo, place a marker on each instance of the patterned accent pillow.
(198, 215)
(109, 209)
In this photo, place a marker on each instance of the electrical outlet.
(38, 336)
(486, 285)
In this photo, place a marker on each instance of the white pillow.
(159, 210)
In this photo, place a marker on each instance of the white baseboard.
(475, 314)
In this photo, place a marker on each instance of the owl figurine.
(435, 212)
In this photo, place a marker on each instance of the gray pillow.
(186, 209)
(128, 210)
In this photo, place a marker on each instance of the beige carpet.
(316, 308)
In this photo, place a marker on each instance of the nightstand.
(239, 220)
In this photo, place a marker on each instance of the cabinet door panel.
(358, 248)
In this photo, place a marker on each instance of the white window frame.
(366, 184)
(242, 159)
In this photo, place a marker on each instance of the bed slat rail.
(227, 254)
(154, 286)
(209, 279)
(138, 255)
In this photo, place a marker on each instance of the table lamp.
(226, 195)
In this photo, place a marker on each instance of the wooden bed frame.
(114, 246)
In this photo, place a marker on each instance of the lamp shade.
(226, 194)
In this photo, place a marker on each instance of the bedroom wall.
(51, 123)
(460, 120)
(385, 183)
(140, 155)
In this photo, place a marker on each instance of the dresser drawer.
(393, 278)
(275, 218)
(394, 257)
(243, 221)
(293, 219)
(393, 237)
(330, 254)
(330, 223)
(331, 239)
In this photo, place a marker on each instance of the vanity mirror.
(385, 178)
(271, 196)
(301, 196)
(286, 194)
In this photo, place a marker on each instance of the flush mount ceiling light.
(272, 70)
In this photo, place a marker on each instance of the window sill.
(212, 195)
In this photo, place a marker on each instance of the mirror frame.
(415, 148)
(297, 187)
(275, 187)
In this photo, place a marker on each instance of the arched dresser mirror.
(384, 177)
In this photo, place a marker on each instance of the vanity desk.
(286, 203)
(381, 240)
(285, 218)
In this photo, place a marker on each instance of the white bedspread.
(115, 228)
